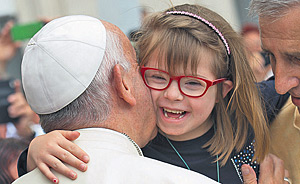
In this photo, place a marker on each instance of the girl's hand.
(54, 148)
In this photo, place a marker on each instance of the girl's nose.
(172, 92)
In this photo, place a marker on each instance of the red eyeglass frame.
(177, 78)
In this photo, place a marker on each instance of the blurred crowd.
(18, 123)
(258, 60)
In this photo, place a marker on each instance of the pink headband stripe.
(207, 23)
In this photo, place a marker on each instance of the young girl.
(208, 129)
(208, 108)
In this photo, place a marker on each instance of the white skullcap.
(61, 60)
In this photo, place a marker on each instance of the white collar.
(107, 136)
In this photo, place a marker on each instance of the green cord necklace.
(187, 166)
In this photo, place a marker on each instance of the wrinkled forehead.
(283, 34)
(279, 27)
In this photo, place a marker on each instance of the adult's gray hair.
(272, 9)
(92, 106)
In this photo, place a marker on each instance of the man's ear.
(122, 85)
(226, 87)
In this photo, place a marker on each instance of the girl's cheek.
(155, 95)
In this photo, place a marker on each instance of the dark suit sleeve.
(272, 101)
(22, 163)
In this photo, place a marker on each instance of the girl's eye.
(158, 77)
(154, 77)
(192, 84)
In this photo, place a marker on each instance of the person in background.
(279, 22)
(10, 149)
(260, 67)
(18, 107)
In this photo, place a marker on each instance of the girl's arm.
(53, 150)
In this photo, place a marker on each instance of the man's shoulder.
(129, 168)
(33, 177)
(155, 171)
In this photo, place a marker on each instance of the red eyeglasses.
(190, 86)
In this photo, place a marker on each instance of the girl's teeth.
(166, 111)
(173, 111)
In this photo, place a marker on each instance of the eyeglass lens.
(188, 85)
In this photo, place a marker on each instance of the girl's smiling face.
(181, 117)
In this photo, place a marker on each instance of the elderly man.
(80, 73)
(279, 22)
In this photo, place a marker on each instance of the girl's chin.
(168, 132)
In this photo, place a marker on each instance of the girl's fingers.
(73, 148)
(68, 158)
(55, 149)
(47, 172)
(70, 135)
(58, 166)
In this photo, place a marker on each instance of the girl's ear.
(226, 87)
(121, 83)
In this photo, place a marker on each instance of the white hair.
(272, 9)
(94, 104)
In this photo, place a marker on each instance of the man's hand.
(249, 175)
(20, 108)
(271, 172)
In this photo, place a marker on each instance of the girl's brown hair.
(179, 41)
(10, 150)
